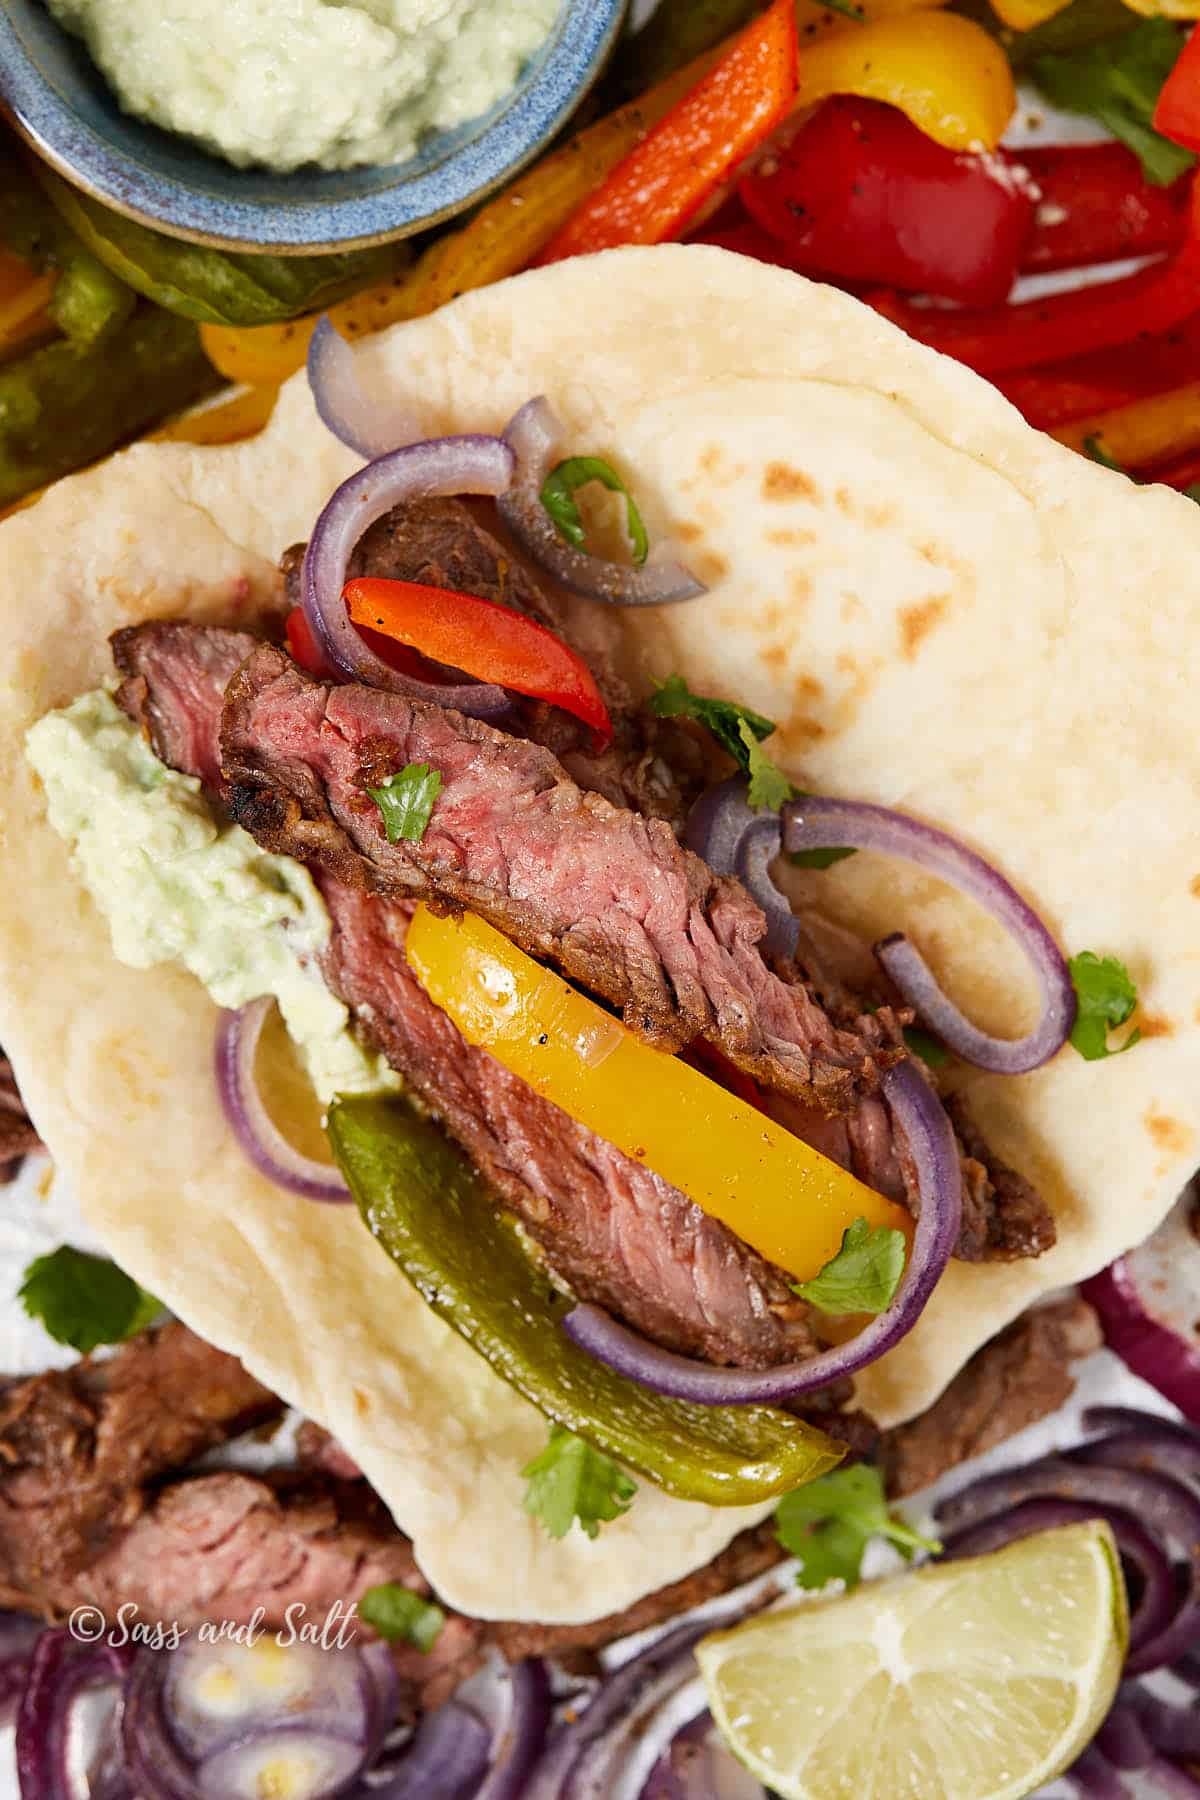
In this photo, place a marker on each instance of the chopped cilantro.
(724, 718)
(847, 8)
(1107, 996)
(558, 497)
(570, 1481)
(769, 786)
(931, 1052)
(828, 1525)
(406, 801)
(1117, 81)
(817, 859)
(399, 1615)
(85, 1300)
(863, 1276)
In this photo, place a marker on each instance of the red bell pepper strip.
(483, 639)
(1177, 114)
(998, 340)
(666, 179)
(862, 195)
(1060, 392)
(1183, 472)
(1097, 206)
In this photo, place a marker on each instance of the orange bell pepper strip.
(1156, 429)
(651, 195)
(484, 639)
(1177, 114)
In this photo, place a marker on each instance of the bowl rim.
(583, 36)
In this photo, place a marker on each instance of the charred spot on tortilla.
(782, 482)
(916, 622)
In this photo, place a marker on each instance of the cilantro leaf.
(673, 699)
(406, 801)
(85, 1300)
(769, 786)
(863, 1276)
(558, 497)
(399, 1615)
(1118, 81)
(817, 859)
(931, 1052)
(828, 1525)
(570, 1481)
(1107, 996)
(847, 8)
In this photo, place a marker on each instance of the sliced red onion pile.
(1141, 1475)
(921, 1120)
(263, 1143)
(535, 436)
(312, 1722)
(365, 422)
(425, 471)
(734, 840)
(1149, 1306)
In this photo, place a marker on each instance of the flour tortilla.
(944, 610)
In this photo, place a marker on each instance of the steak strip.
(615, 1231)
(77, 1447)
(606, 894)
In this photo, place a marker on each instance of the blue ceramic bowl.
(64, 107)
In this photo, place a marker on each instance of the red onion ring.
(524, 1733)
(535, 436)
(425, 471)
(1156, 1603)
(1122, 1740)
(1148, 1302)
(361, 421)
(1092, 1777)
(813, 824)
(732, 839)
(696, 1765)
(264, 1144)
(1167, 1509)
(1174, 1730)
(919, 1116)
(445, 1759)
(60, 1670)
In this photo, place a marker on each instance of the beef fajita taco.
(593, 868)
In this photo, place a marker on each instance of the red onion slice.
(424, 471)
(1122, 1740)
(535, 435)
(1149, 1304)
(812, 824)
(732, 839)
(1157, 1599)
(264, 1144)
(362, 421)
(60, 1670)
(1169, 1511)
(524, 1734)
(697, 1765)
(1092, 1777)
(320, 1765)
(921, 1119)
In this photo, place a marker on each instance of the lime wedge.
(973, 1680)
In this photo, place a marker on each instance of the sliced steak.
(654, 766)
(77, 1447)
(1004, 1217)
(1023, 1375)
(618, 1234)
(606, 894)
(18, 1134)
(171, 671)
(318, 1449)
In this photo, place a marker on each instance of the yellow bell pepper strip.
(229, 422)
(1024, 15)
(951, 78)
(662, 184)
(779, 1195)
(431, 1213)
(1154, 430)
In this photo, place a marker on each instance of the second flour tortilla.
(944, 610)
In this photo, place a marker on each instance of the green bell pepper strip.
(677, 32)
(435, 1218)
(215, 287)
(62, 406)
(89, 302)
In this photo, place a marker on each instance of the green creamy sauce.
(178, 886)
(283, 83)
